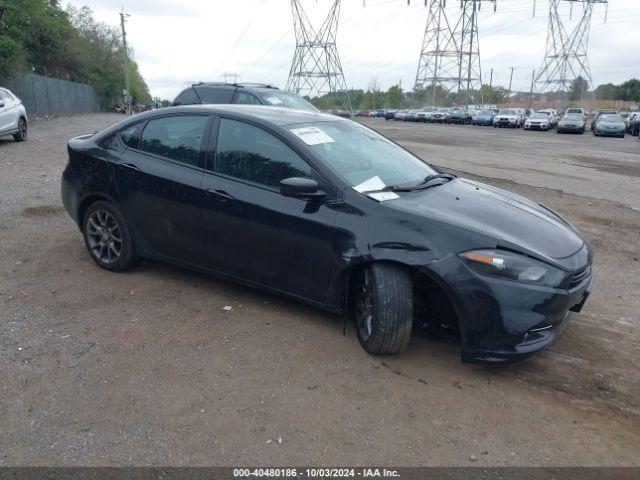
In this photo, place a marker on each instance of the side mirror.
(301, 188)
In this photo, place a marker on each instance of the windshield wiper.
(420, 186)
(423, 184)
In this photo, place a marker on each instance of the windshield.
(486, 113)
(573, 116)
(287, 100)
(359, 154)
(507, 112)
(539, 115)
(574, 110)
(612, 118)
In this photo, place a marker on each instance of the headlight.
(513, 266)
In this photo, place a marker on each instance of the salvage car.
(441, 115)
(243, 94)
(424, 114)
(609, 125)
(508, 117)
(13, 116)
(460, 116)
(484, 118)
(538, 121)
(571, 123)
(331, 213)
(602, 111)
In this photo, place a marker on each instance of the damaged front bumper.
(503, 321)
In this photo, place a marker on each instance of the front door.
(254, 233)
(158, 180)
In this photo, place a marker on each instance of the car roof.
(275, 115)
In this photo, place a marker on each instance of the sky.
(177, 42)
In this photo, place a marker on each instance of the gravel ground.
(147, 368)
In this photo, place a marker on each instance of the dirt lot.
(146, 367)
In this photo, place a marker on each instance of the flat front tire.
(108, 238)
(384, 308)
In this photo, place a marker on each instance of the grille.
(579, 277)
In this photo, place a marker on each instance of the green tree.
(607, 91)
(39, 36)
(579, 89)
(629, 90)
(394, 97)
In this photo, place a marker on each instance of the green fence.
(52, 96)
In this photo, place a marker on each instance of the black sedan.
(331, 213)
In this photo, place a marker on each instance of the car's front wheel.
(384, 308)
(108, 238)
(21, 134)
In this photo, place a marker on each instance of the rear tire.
(384, 309)
(21, 134)
(108, 238)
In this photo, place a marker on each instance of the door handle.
(219, 195)
(130, 166)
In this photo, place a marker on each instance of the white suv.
(13, 116)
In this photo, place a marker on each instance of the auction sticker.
(312, 135)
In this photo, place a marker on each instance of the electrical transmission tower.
(440, 56)
(566, 54)
(470, 68)
(316, 68)
(450, 57)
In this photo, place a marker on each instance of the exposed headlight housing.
(513, 266)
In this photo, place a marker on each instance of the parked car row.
(605, 122)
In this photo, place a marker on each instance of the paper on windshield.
(312, 135)
(383, 196)
(371, 185)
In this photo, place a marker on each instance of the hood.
(513, 221)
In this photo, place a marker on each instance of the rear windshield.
(215, 94)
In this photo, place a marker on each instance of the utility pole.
(125, 94)
(510, 83)
(316, 67)
(533, 80)
(227, 75)
(566, 53)
(491, 87)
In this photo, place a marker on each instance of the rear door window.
(245, 98)
(176, 138)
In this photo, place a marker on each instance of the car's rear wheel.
(21, 134)
(108, 238)
(384, 308)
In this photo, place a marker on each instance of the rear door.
(158, 181)
(254, 233)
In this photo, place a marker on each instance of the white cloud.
(179, 41)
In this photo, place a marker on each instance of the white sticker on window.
(383, 196)
(312, 135)
(371, 185)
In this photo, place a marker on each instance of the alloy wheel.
(365, 306)
(104, 237)
(22, 129)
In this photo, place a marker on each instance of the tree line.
(39, 36)
(396, 97)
